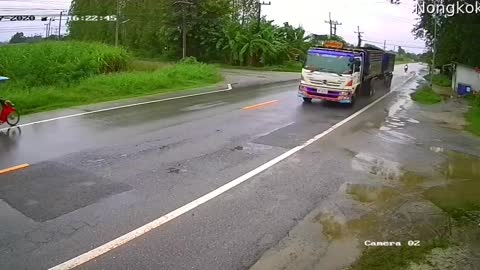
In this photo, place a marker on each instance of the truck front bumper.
(329, 94)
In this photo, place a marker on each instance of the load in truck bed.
(378, 62)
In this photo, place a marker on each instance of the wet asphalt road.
(96, 177)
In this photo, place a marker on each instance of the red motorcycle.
(9, 113)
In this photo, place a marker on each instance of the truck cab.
(338, 74)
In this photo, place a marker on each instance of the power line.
(400, 42)
(403, 46)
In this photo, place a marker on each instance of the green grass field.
(59, 62)
(113, 86)
(426, 96)
(52, 75)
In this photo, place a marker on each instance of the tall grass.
(426, 96)
(440, 80)
(113, 86)
(59, 62)
(473, 114)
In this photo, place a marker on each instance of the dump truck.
(334, 73)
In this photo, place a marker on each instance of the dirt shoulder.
(415, 203)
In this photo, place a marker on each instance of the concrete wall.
(466, 75)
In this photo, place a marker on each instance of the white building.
(466, 75)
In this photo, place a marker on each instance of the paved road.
(99, 176)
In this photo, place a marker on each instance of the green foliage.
(426, 96)
(440, 80)
(189, 60)
(217, 31)
(59, 63)
(473, 115)
(113, 86)
(147, 65)
(457, 36)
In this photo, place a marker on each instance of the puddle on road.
(461, 196)
(462, 167)
(332, 237)
(386, 169)
(411, 180)
(370, 193)
(392, 136)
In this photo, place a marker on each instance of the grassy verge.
(113, 86)
(473, 115)
(426, 96)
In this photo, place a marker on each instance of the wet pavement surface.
(406, 178)
(96, 177)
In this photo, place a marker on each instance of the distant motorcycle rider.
(406, 68)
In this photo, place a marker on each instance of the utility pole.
(384, 45)
(60, 26)
(243, 12)
(330, 22)
(46, 30)
(333, 25)
(260, 4)
(49, 27)
(184, 4)
(432, 69)
(125, 31)
(359, 37)
(117, 23)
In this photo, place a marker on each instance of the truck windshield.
(329, 63)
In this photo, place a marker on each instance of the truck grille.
(323, 83)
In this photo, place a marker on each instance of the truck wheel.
(371, 88)
(388, 83)
(307, 100)
(365, 88)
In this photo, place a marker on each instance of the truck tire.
(388, 83)
(372, 88)
(364, 88)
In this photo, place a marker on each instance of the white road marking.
(107, 247)
(121, 107)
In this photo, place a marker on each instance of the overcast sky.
(377, 18)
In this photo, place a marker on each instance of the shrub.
(189, 60)
(59, 62)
